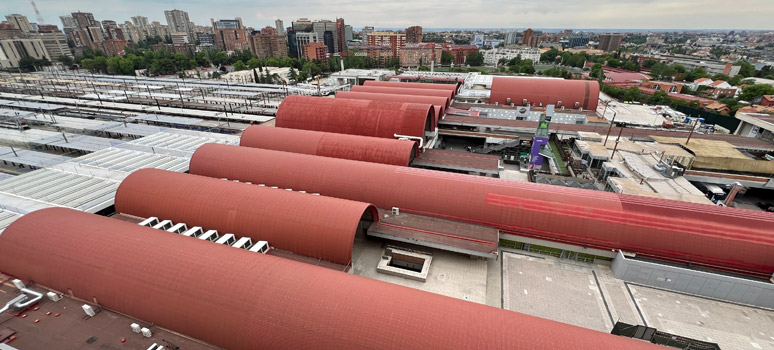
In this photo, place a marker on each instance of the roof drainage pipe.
(405, 137)
(20, 303)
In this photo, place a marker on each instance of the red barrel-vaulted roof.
(411, 85)
(306, 224)
(733, 239)
(437, 101)
(326, 144)
(355, 117)
(240, 300)
(547, 91)
(405, 91)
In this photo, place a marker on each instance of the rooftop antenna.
(37, 13)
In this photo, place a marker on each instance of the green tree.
(659, 97)
(475, 59)
(749, 93)
(746, 70)
(696, 73)
(66, 60)
(253, 63)
(649, 63)
(597, 72)
(239, 65)
(446, 57)
(633, 94)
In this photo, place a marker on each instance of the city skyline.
(594, 14)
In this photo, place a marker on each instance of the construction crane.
(37, 13)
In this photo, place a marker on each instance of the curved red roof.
(428, 86)
(326, 144)
(733, 239)
(355, 117)
(405, 91)
(547, 91)
(240, 300)
(438, 102)
(303, 223)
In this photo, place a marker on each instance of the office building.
(268, 43)
(178, 21)
(20, 22)
(348, 33)
(460, 52)
(414, 35)
(230, 34)
(302, 39)
(322, 26)
(610, 42)
(578, 41)
(302, 25)
(392, 39)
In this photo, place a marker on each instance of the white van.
(194, 232)
(227, 239)
(260, 247)
(243, 243)
(211, 235)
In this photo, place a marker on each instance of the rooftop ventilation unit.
(395, 211)
(88, 310)
(558, 103)
(53, 296)
(243, 243)
(524, 102)
(576, 105)
(153, 347)
(164, 225)
(146, 332)
(135, 328)
(227, 239)
(194, 232)
(211, 235)
(178, 228)
(260, 247)
(18, 284)
(150, 222)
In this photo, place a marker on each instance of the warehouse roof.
(428, 86)
(665, 229)
(355, 117)
(236, 299)
(440, 103)
(325, 144)
(306, 224)
(545, 91)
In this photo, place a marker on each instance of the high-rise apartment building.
(53, 40)
(13, 50)
(230, 34)
(268, 43)
(68, 22)
(279, 26)
(348, 33)
(88, 32)
(365, 31)
(526, 36)
(177, 21)
(20, 22)
(511, 38)
(392, 39)
(610, 42)
(316, 51)
(112, 31)
(414, 35)
(341, 40)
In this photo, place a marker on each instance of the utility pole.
(318, 86)
(610, 129)
(691, 133)
(620, 131)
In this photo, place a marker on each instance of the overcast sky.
(575, 14)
